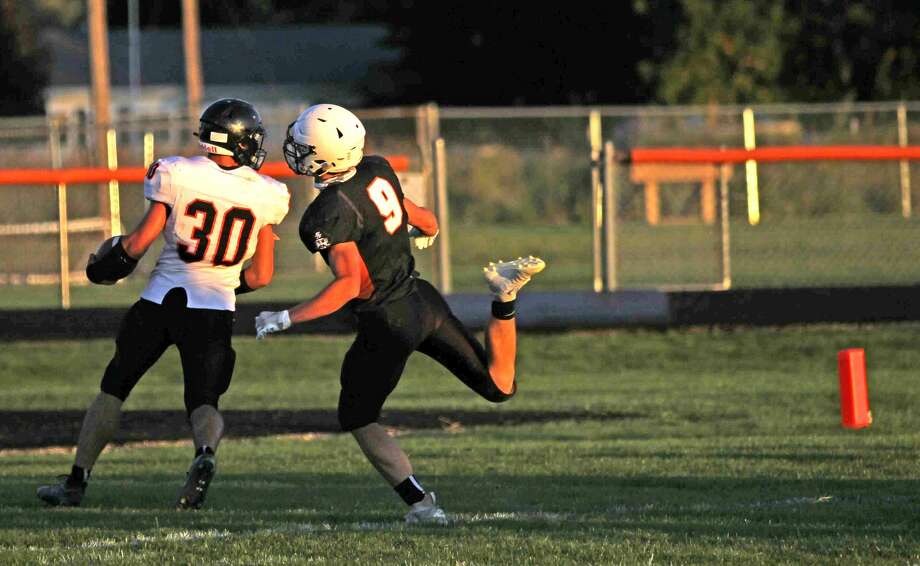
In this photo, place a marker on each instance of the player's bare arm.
(260, 271)
(148, 230)
(346, 265)
(423, 224)
(117, 257)
(421, 218)
(350, 283)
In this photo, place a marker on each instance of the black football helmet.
(233, 127)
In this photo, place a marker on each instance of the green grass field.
(695, 447)
(832, 251)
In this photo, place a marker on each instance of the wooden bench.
(652, 175)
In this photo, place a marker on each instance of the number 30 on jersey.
(384, 198)
(229, 240)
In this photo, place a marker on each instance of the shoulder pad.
(376, 161)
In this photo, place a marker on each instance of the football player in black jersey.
(362, 225)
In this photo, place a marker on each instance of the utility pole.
(134, 54)
(192, 44)
(99, 65)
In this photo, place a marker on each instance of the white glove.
(421, 240)
(268, 322)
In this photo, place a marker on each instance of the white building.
(278, 69)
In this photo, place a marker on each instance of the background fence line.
(536, 180)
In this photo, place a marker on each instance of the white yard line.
(457, 520)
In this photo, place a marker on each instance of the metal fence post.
(111, 140)
(443, 214)
(905, 164)
(54, 141)
(148, 157)
(426, 144)
(610, 218)
(750, 168)
(725, 240)
(597, 210)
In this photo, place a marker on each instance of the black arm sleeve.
(114, 265)
(243, 287)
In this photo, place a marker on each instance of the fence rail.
(824, 197)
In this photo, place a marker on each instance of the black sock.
(503, 311)
(203, 450)
(77, 476)
(410, 490)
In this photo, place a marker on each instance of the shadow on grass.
(35, 429)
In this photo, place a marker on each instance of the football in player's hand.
(104, 248)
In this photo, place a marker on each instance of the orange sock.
(506, 385)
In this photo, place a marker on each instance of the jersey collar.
(241, 170)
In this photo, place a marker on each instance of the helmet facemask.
(297, 156)
(249, 151)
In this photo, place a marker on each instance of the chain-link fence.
(519, 182)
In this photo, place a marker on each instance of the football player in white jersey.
(215, 213)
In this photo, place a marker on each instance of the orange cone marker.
(854, 395)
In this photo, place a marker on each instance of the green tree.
(726, 52)
(487, 53)
(858, 50)
(23, 66)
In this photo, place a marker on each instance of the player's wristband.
(243, 287)
(115, 265)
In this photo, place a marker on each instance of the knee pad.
(115, 381)
(214, 381)
(353, 415)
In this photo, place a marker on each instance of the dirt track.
(34, 429)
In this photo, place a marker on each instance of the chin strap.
(336, 179)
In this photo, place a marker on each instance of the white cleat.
(427, 512)
(506, 278)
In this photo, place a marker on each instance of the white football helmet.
(325, 138)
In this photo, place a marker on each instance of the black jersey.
(368, 210)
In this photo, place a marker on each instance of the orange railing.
(75, 175)
(107, 223)
(786, 153)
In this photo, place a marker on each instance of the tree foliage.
(491, 53)
(487, 53)
(727, 52)
(23, 66)
(856, 50)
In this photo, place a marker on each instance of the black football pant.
(387, 336)
(202, 337)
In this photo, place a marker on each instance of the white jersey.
(213, 227)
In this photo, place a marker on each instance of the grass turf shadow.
(38, 429)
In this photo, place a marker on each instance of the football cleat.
(505, 278)
(192, 494)
(427, 512)
(63, 494)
